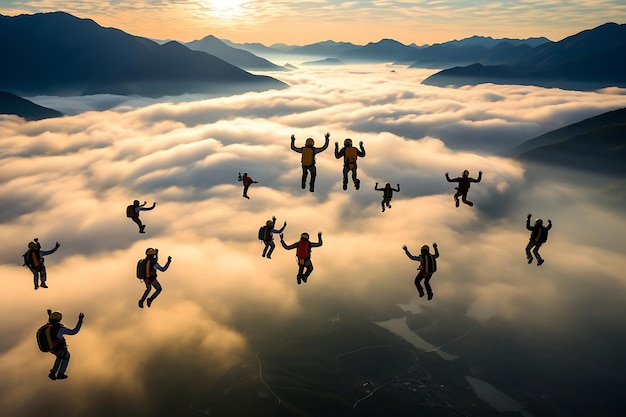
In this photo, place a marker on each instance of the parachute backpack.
(303, 252)
(350, 157)
(265, 231)
(46, 336)
(130, 211)
(429, 264)
(308, 157)
(32, 259)
(143, 268)
(261, 234)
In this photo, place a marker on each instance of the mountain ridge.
(59, 54)
(589, 60)
(596, 144)
(15, 105)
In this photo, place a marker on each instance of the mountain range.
(596, 144)
(12, 104)
(59, 54)
(589, 60)
(235, 56)
(466, 51)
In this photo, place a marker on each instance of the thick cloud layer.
(70, 179)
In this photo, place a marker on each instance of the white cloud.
(70, 179)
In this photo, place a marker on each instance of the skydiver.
(308, 152)
(538, 236)
(387, 194)
(133, 210)
(268, 237)
(464, 186)
(350, 155)
(58, 345)
(152, 256)
(33, 259)
(246, 180)
(428, 266)
(303, 254)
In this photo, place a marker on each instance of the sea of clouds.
(70, 179)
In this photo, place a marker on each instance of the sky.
(70, 179)
(300, 22)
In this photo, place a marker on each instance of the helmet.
(309, 142)
(32, 245)
(55, 316)
(135, 202)
(539, 222)
(304, 235)
(245, 174)
(387, 185)
(465, 173)
(347, 142)
(269, 223)
(151, 251)
(425, 248)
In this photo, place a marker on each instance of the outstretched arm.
(293, 144)
(240, 178)
(319, 241)
(451, 180)
(48, 252)
(406, 250)
(436, 249)
(338, 153)
(480, 177)
(549, 225)
(326, 143)
(288, 247)
(528, 222)
(142, 208)
(71, 332)
(361, 152)
(280, 231)
(164, 267)
(378, 189)
(398, 190)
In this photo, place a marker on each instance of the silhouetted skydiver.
(246, 180)
(308, 152)
(428, 266)
(538, 236)
(464, 186)
(350, 155)
(268, 238)
(152, 255)
(303, 254)
(387, 194)
(33, 259)
(58, 346)
(133, 210)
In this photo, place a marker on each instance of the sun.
(224, 9)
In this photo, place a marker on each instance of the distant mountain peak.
(59, 54)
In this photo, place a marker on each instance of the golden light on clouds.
(225, 9)
(69, 179)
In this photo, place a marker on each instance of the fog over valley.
(69, 179)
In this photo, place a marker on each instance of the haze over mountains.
(59, 54)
